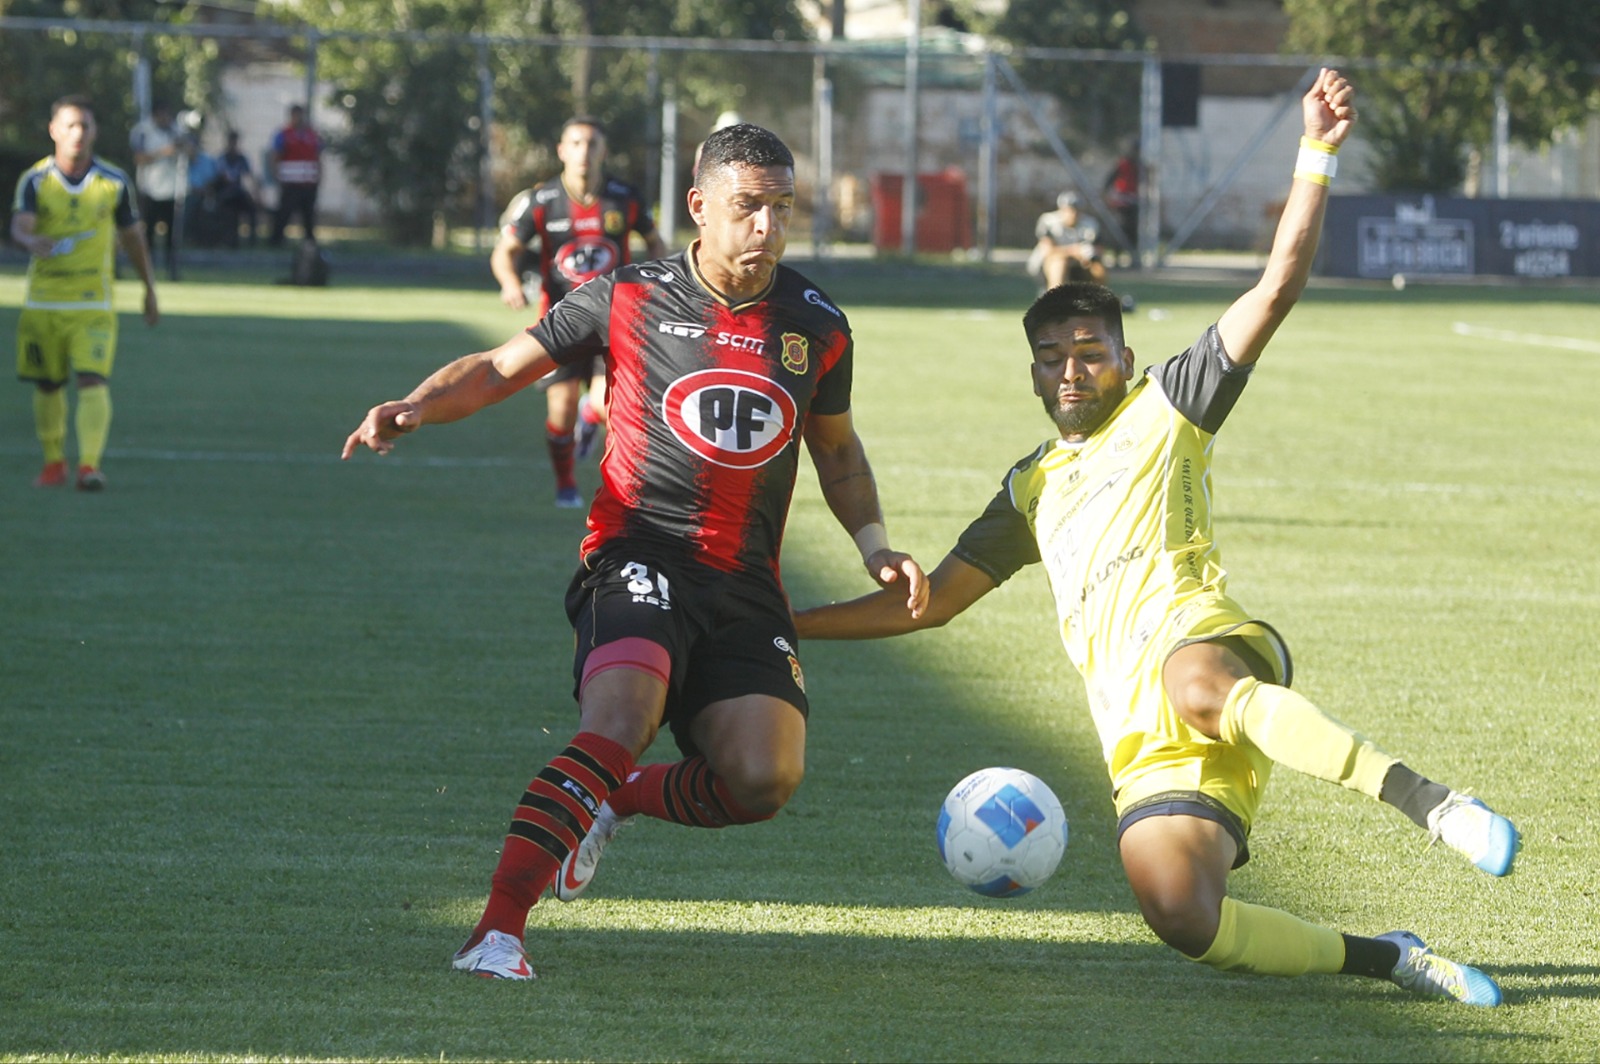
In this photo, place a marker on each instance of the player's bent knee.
(762, 790)
(1186, 923)
(1199, 706)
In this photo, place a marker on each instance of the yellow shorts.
(1153, 752)
(53, 344)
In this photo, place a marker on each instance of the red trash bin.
(944, 215)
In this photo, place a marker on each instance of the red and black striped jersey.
(707, 404)
(577, 242)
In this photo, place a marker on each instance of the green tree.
(38, 67)
(413, 106)
(1422, 121)
(1100, 100)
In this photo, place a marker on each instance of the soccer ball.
(1001, 832)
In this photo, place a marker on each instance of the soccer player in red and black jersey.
(582, 221)
(722, 362)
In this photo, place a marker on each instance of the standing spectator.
(201, 210)
(297, 167)
(70, 211)
(236, 194)
(1122, 196)
(158, 156)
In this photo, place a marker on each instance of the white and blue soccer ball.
(1002, 832)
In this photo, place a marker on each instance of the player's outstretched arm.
(458, 390)
(952, 587)
(1329, 111)
(852, 495)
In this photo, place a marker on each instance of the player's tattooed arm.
(455, 391)
(852, 496)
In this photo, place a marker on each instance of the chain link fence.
(464, 121)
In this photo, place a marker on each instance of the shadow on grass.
(252, 706)
(613, 995)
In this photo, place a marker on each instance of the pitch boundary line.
(1568, 343)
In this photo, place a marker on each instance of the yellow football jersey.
(1122, 523)
(83, 217)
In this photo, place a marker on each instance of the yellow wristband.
(1317, 161)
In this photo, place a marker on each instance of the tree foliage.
(38, 67)
(1422, 120)
(413, 106)
(1100, 100)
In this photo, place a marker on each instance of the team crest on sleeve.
(796, 352)
(730, 417)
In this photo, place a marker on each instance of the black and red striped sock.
(682, 792)
(555, 813)
(561, 445)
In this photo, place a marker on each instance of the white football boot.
(577, 871)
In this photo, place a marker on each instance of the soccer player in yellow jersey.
(1189, 693)
(70, 211)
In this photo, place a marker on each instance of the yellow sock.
(1263, 941)
(1297, 734)
(50, 422)
(93, 424)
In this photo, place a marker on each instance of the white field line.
(1568, 343)
(286, 458)
(981, 479)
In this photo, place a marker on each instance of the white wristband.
(1317, 161)
(870, 539)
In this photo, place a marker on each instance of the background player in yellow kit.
(1189, 692)
(70, 211)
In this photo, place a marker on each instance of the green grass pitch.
(265, 714)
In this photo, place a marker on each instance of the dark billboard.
(1429, 236)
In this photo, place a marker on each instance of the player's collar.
(692, 256)
(587, 198)
(73, 183)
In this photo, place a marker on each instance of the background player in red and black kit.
(721, 363)
(581, 221)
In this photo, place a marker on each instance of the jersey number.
(647, 587)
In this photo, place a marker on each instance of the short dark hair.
(742, 145)
(78, 100)
(1075, 299)
(582, 120)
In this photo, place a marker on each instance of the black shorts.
(726, 634)
(584, 369)
(1190, 803)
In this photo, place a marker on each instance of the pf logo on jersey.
(585, 258)
(729, 417)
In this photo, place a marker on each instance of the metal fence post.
(668, 222)
(486, 203)
(908, 191)
(1149, 238)
(822, 202)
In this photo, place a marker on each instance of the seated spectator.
(1067, 249)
